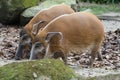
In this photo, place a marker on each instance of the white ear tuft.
(35, 27)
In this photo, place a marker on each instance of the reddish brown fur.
(48, 15)
(80, 30)
(28, 33)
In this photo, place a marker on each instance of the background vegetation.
(100, 8)
(101, 1)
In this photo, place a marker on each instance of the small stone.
(34, 75)
(107, 57)
(77, 58)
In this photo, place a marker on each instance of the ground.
(9, 38)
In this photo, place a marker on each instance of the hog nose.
(17, 58)
(43, 51)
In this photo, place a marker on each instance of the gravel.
(111, 25)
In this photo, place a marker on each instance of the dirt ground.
(9, 38)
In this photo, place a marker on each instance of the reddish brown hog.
(77, 31)
(38, 22)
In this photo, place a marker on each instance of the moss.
(10, 10)
(30, 3)
(54, 69)
(22, 3)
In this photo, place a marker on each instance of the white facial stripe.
(47, 49)
(27, 41)
(40, 49)
(48, 53)
(32, 52)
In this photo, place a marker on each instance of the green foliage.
(30, 3)
(15, 3)
(101, 1)
(19, 3)
(3, 6)
(54, 69)
(100, 9)
(10, 10)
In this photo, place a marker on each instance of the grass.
(100, 9)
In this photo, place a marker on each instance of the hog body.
(76, 31)
(36, 23)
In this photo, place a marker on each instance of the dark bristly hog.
(38, 22)
(77, 31)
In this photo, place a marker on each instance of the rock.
(28, 14)
(32, 11)
(10, 10)
(36, 70)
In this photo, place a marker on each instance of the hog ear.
(38, 26)
(51, 35)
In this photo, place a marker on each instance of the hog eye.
(25, 37)
(38, 46)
